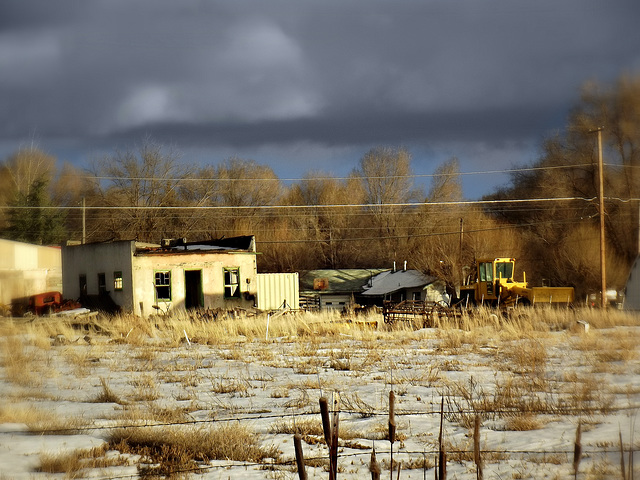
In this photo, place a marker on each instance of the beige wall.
(26, 270)
(25, 256)
(212, 266)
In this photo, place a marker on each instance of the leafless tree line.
(375, 216)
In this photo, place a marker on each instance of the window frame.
(166, 284)
(118, 282)
(228, 285)
(486, 272)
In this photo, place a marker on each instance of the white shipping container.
(276, 290)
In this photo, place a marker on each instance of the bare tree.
(446, 185)
(329, 222)
(137, 185)
(441, 252)
(24, 167)
(243, 184)
(387, 182)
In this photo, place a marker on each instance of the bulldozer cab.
(492, 273)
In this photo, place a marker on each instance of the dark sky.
(306, 85)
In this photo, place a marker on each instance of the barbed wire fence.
(435, 456)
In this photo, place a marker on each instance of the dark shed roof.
(349, 280)
(390, 282)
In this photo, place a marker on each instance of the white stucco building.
(142, 277)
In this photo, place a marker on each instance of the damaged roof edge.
(244, 243)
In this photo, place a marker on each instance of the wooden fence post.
(392, 429)
(326, 425)
(622, 470)
(577, 451)
(297, 441)
(374, 468)
(477, 456)
(330, 429)
(442, 453)
(333, 451)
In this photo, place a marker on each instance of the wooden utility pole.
(603, 272)
(460, 261)
(84, 222)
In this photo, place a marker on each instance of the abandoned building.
(146, 278)
(328, 289)
(399, 285)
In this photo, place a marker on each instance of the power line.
(293, 207)
(312, 214)
(312, 179)
(408, 235)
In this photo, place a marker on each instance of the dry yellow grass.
(524, 422)
(527, 356)
(479, 324)
(144, 413)
(167, 450)
(73, 463)
(39, 420)
(16, 361)
(586, 391)
(107, 395)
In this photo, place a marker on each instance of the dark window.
(231, 283)
(486, 272)
(102, 284)
(163, 286)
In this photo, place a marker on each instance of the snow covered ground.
(531, 390)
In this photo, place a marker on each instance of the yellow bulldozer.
(494, 285)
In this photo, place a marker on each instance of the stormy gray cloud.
(304, 86)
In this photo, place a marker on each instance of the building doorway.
(193, 297)
(83, 285)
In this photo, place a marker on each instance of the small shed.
(400, 285)
(329, 289)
